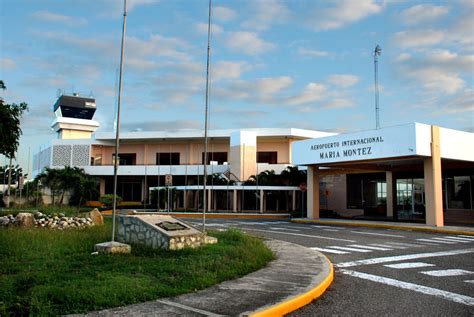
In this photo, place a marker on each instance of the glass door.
(410, 198)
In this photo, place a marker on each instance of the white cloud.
(343, 80)
(228, 70)
(223, 13)
(267, 90)
(461, 31)
(215, 29)
(422, 13)
(451, 60)
(436, 80)
(438, 71)
(47, 16)
(157, 45)
(265, 13)
(273, 85)
(403, 57)
(461, 103)
(114, 8)
(419, 38)
(338, 103)
(344, 12)
(131, 4)
(313, 53)
(7, 64)
(248, 43)
(312, 92)
(153, 125)
(140, 64)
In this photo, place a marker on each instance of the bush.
(94, 203)
(108, 199)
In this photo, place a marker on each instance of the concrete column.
(262, 198)
(102, 187)
(390, 191)
(433, 186)
(293, 201)
(209, 199)
(234, 200)
(185, 202)
(214, 200)
(313, 192)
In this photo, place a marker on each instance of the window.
(460, 192)
(267, 157)
(96, 160)
(126, 159)
(219, 157)
(167, 158)
(366, 190)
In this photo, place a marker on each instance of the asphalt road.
(380, 271)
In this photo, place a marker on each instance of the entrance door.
(410, 198)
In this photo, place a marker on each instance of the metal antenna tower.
(377, 52)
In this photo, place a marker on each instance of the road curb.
(221, 215)
(383, 226)
(291, 304)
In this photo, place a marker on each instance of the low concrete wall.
(132, 229)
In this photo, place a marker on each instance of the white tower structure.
(74, 117)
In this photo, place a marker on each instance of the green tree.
(10, 115)
(292, 176)
(68, 179)
(16, 172)
(265, 178)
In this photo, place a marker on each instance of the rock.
(210, 240)
(25, 219)
(96, 217)
(61, 215)
(4, 221)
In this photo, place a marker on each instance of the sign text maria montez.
(345, 148)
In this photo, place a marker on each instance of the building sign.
(405, 140)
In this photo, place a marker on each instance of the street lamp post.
(117, 131)
(205, 202)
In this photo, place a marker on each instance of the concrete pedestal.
(113, 247)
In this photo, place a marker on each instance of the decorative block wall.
(141, 230)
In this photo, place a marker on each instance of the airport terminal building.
(412, 172)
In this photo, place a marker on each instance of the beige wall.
(74, 134)
(190, 153)
(337, 195)
(282, 147)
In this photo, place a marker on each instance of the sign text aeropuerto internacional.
(339, 149)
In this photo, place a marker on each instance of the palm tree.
(68, 179)
(292, 176)
(265, 178)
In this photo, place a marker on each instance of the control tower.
(74, 117)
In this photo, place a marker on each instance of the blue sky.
(305, 64)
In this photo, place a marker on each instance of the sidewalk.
(389, 225)
(283, 286)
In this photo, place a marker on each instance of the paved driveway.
(380, 271)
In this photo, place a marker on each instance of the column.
(185, 202)
(390, 191)
(262, 198)
(433, 186)
(293, 201)
(101, 187)
(234, 200)
(313, 192)
(209, 201)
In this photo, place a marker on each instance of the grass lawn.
(49, 272)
